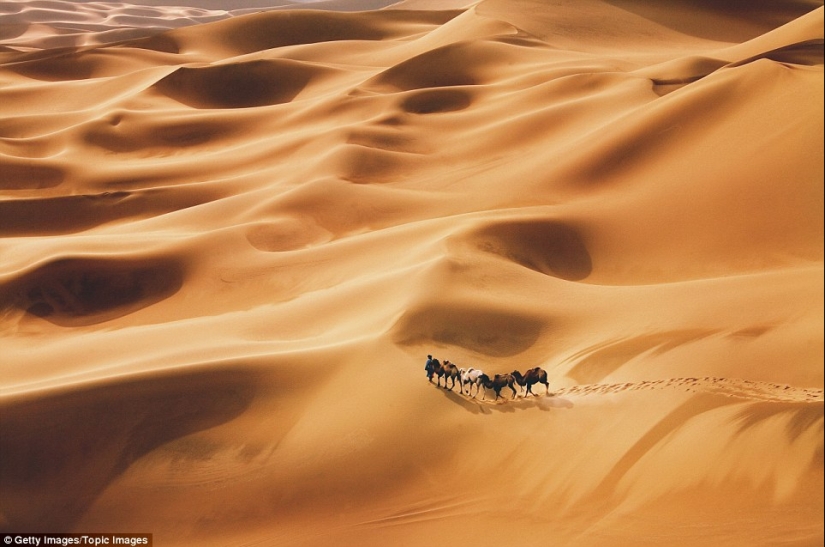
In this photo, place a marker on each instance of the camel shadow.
(545, 402)
(465, 403)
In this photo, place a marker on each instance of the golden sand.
(230, 240)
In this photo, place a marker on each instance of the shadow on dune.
(157, 137)
(60, 451)
(437, 100)
(806, 53)
(698, 404)
(443, 67)
(59, 64)
(83, 291)
(710, 19)
(238, 85)
(462, 64)
(599, 361)
(498, 333)
(676, 74)
(800, 417)
(161, 42)
(78, 212)
(550, 247)
(487, 406)
(29, 176)
(274, 29)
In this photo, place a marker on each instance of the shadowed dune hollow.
(117, 423)
(544, 246)
(73, 291)
(237, 85)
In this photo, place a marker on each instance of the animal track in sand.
(729, 387)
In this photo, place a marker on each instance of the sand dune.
(38, 24)
(231, 238)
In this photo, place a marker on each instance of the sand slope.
(229, 245)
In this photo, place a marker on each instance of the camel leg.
(514, 391)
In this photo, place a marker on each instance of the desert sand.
(230, 239)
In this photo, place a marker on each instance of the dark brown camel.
(448, 371)
(451, 372)
(535, 375)
(496, 383)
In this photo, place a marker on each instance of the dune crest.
(231, 238)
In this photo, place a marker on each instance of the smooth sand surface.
(230, 240)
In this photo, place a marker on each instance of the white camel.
(472, 377)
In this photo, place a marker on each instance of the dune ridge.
(231, 238)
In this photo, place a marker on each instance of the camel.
(470, 376)
(448, 371)
(535, 375)
(451, 372)
(496, 383)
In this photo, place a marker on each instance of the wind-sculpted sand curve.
(230, 238)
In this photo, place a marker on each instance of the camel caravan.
(466, 378)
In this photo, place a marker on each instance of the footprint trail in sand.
(729, 387)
